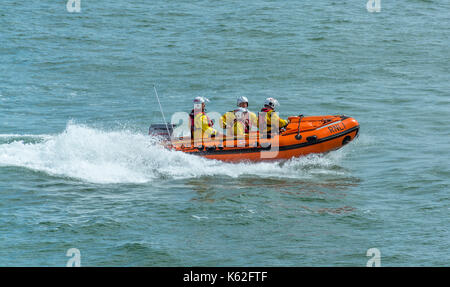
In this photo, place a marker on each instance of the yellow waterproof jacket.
(202, 125)
(239, 128)
(268, 116)
(229, 119)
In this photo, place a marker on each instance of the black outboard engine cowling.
(161, 130)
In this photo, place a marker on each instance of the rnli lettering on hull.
(336, 128)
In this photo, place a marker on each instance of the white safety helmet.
(240, 113)
(200, 100)
(271, 102)
(241, 100)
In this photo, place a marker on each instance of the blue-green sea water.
(78, 170)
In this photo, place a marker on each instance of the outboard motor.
(161, 130)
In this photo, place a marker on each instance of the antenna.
(162, 113)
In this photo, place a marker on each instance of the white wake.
(123, 156)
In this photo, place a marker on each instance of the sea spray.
(124, 156)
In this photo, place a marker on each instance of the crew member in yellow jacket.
(268, 115)
(240, 122)
(228, 120)
(201, 125)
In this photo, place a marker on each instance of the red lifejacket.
(191, 120)
(246, 121)
(262, 116)
(247, 125)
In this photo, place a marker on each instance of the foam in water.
(123, 156)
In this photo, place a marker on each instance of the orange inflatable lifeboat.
(302, 136)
